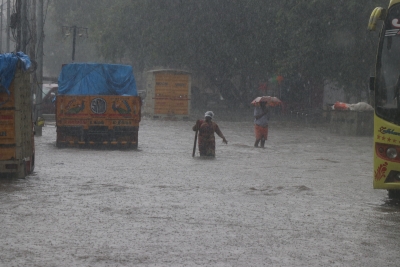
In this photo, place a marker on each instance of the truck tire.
(22, 170)
(30, 165)
(393, 194)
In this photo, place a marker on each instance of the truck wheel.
(135, 146)
(33, 163)
(30, 165)
(394, 194)
(22, 170)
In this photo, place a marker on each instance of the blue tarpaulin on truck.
(8, 65)
(96, 79)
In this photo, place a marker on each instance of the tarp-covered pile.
(360, 106)
(96, 79)
(8, 65)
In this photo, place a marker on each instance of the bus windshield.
(387, 94)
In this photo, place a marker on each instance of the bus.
(385, 87)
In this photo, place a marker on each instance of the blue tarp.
(96, 79)
(8, 65)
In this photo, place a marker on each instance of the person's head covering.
(209, 114)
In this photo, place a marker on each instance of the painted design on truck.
(384, 130)
(381, 171)
(98, 106)
(73, 107)
(395, 23)
(4, 100)
(117, 106)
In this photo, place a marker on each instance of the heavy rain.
(122, 93)
(304, 200)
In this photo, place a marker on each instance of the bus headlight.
(391, 152)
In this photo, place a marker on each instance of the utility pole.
(21, 25)
(1, 27)
(8, 26)
(39, 59)
(32, 44)
(81, 32)
(73, 43)
(32, 54)
(24, 26)
(18, 24)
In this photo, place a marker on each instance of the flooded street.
(305, 200)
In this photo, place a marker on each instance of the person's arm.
(218, 131)
(196, 126)
(258, 114)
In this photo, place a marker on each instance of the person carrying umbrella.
(206, 129)
(261, 117)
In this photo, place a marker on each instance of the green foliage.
(330, 41)
(316, 40)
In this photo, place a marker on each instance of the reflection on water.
(388, 206)
(9, 185)
(391, 204)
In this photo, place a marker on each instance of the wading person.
(261, 124)
(206, 139)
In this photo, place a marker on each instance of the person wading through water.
(206, 138)
(261, 124)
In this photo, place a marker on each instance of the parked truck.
(168, 94)
(97, 106)
(17, 148)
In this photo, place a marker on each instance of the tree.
(308, 42)
(331, 46)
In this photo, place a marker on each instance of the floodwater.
(305, 200)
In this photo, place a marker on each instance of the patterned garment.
(261, 132)
(263, 120)
(206, 138)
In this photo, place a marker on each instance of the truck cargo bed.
(17, 151)
(98, 121)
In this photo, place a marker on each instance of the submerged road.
(305, 200)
